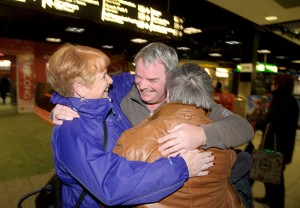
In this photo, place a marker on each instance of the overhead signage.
(84, 9)
(260, 67)
(246, 67)
(265, 67)
(141, 17)
(127, 13)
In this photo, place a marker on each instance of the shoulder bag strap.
(275, 142)
(84, 192)
(264, 138)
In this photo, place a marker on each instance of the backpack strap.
(105, 135)
(80, 199)
(84, 192)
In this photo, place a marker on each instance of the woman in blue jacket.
(83, 159)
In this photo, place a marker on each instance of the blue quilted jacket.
(80, 159)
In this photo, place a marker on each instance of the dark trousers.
(275, 194)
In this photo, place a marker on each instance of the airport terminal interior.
(241, 50)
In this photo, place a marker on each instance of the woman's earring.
(78, 89)
(82, 99)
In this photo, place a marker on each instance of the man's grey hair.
(158, 52)
(190, 84)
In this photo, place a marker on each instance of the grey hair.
(190, 84)
(158, 51)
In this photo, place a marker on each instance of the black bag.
(49, 195)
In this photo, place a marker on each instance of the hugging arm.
(114, 180)
(227, 130)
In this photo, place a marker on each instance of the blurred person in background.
(4, 88)
(189, 90)
(152, 63)
(283, 116)
(218, 87)
(91, 174)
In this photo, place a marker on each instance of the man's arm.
(227, 130)
(60, 113)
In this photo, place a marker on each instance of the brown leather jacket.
(213, 191)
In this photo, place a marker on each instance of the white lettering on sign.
(27, 73)
(69, 6)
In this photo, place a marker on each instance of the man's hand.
(198, 162)
(182, 138)
(61, 112)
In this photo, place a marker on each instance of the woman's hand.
(198, 162)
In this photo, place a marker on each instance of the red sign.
(25, 80)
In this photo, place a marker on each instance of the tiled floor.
(12, 191)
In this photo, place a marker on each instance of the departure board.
(127, 13)
(141, 17)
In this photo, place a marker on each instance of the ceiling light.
(237, 59)
(222, 72)
(233, 42)
(139, 40)
(191, 30)
(281, 57)
(108, 46)
(75, 29)
(296, 61)
(264, 51)
(54, 40)
(183, 48)
(5, 63)
(215, 54)
(271, 18)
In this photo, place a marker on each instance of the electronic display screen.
(127, 13)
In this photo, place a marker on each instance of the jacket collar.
(91, 108)
(135, 95)
(180, 110)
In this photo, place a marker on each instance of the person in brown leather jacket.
(190, 97)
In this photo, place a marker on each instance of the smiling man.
(152, 63)
(149, 86)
